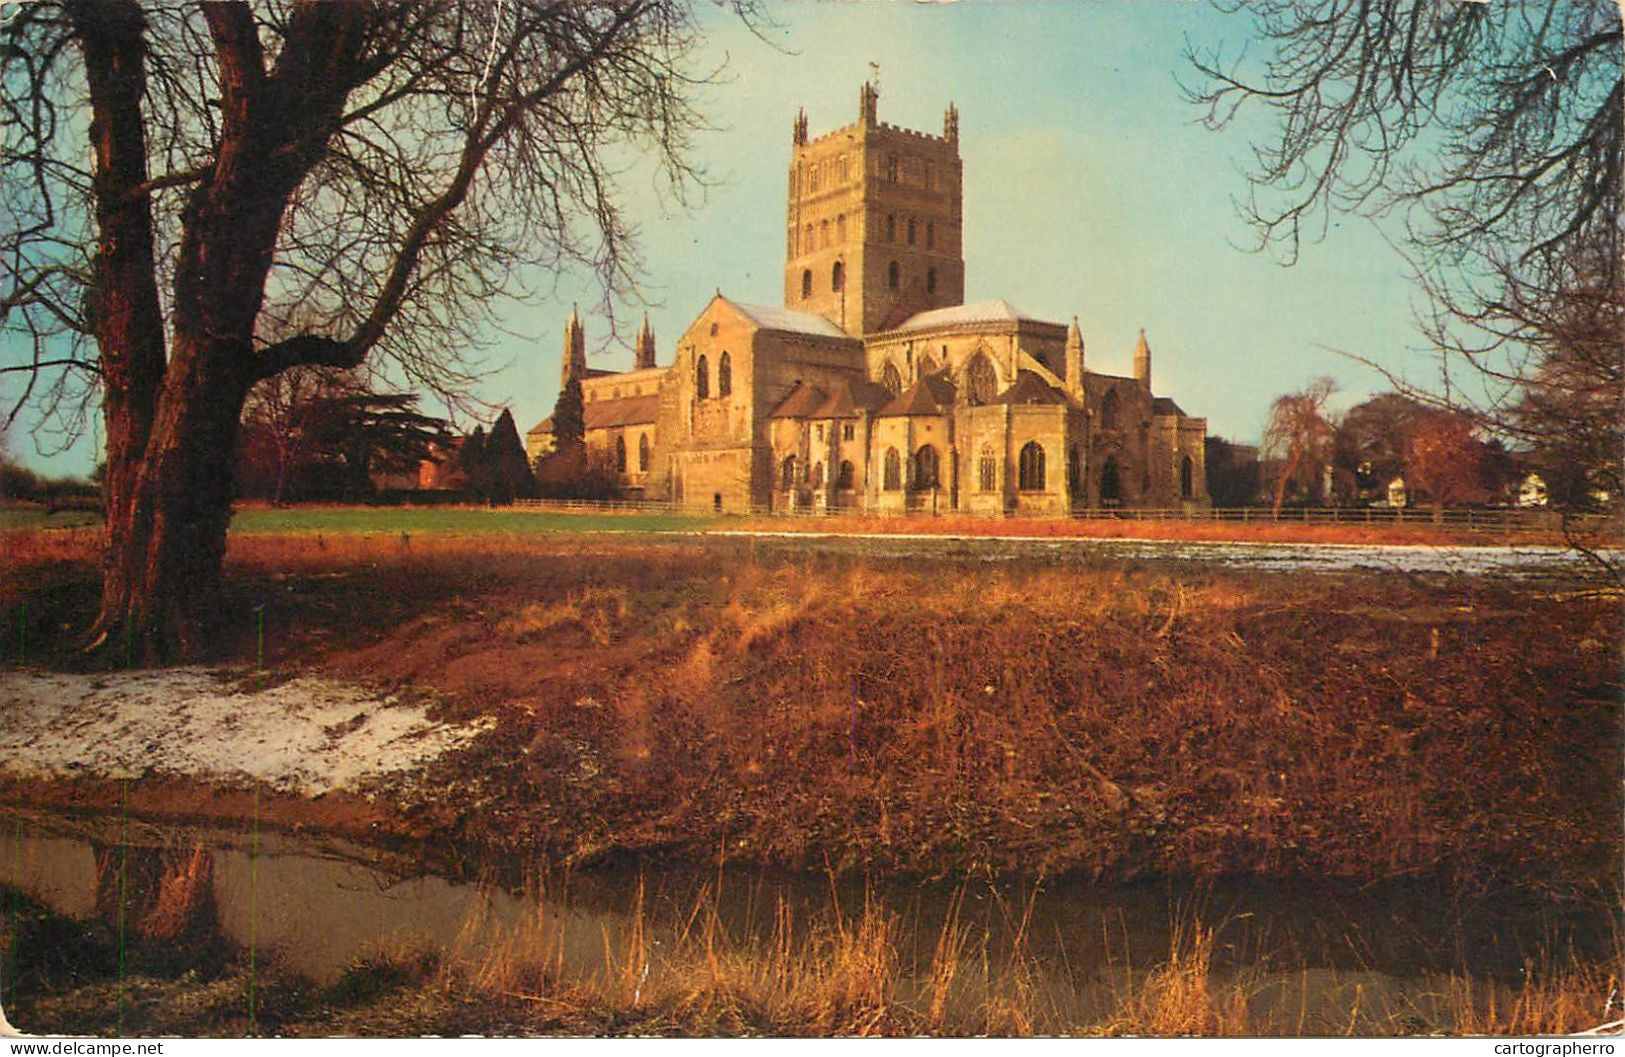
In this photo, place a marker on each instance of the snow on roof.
(790, 320)
(994, 311)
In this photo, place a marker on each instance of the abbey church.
(875, 387)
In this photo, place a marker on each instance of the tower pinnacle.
(645, 355)
(1142, 361)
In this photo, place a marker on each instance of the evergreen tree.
(472, 459)
(508, 471)
(569, 417)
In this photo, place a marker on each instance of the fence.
(1487, 520)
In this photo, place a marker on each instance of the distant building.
(875, 387)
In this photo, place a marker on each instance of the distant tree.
(1445, 460)
(471, 457)
(569, 416)
(576, 472)
(1298, 438)
(1232, 472)
(1369, 450)
(508, 474)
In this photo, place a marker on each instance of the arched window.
(1111, 486)
(725, 375)
(823, 234)
(892, 379)
(702, 377)
(787, 473)
(927, 365)
(643, 452)
(1032, 467)
(620, 453)
(892, 478)
(807, 239)
(891, 168)
(837, 276)
(806, 283)
(981, 381)
(930, 280)
(1186, 474)
(911, 231)
(925, 467)
(1109, 412)
(843, 479)
(891, 228)
(894, 276)
(987, 470)
(930, 233)
(840, 227)
(818, 475)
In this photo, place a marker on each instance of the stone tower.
(575, 350)
(645, 353)
(873, 232)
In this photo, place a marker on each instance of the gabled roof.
(931, 395)
(997, 310)
(801, 402)
(1161, 405)
(850, 397)
(789, 320)
(1030, 389)
(610, 414)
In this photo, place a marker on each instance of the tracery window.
(1032, 467)
(987, 470)
(892, 379)
(702, 377)
(1110, 412)
(725, 375)
(981, 381)
(892, 477)
(925, 467)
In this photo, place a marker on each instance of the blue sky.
(1091, 189)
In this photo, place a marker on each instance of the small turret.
(950, 124)
(1074, 360)
(1142, 361)
(868, 105)
(645, 355)
(798, 131)
(575, 349)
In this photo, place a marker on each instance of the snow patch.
(307, 735)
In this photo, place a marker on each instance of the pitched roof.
(997, 310)
(1028, 388)
(853, 396)
(931, 395)
(1161, 405)
(610, 414)
(801, 402)
(789, 320)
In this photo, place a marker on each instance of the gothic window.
(892, 379)
(807, 240)
(930, 280)
(787, 473)
(620, 453)
(1185, 472)
(823, 234)
(843, 479)
(848, 431)
(891, 228)
(1110, 414)
(837, 276)
(894, 277)
(1111, 485)
(814, 182)
(930, 234)
(925, 467)
(987, 470)
(892, 478)
(911, 231)
(1032, 467)
(840, 228)
(891, 168)
(643, 452)
(927, 365)
(725, 375)
(702, 377)
(806, 283)
(981, 381)
(818, 475)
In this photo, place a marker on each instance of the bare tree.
(203, 195)
(1298, 437)
(1492, 132)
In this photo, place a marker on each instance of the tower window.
(894, 276)
(847, 431)
(725, 375)
(840, 228)
(806, 283)
(891, 228)
(837, 276)
(823, 234)
(911, 231)
(891, 168)
(930, 234)
(930, 280)
(807, 240)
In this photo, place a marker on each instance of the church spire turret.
(645, 355)
(868, 104)
(1074, 360)
(575, 349)
(1142, 361)
(950, 124)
